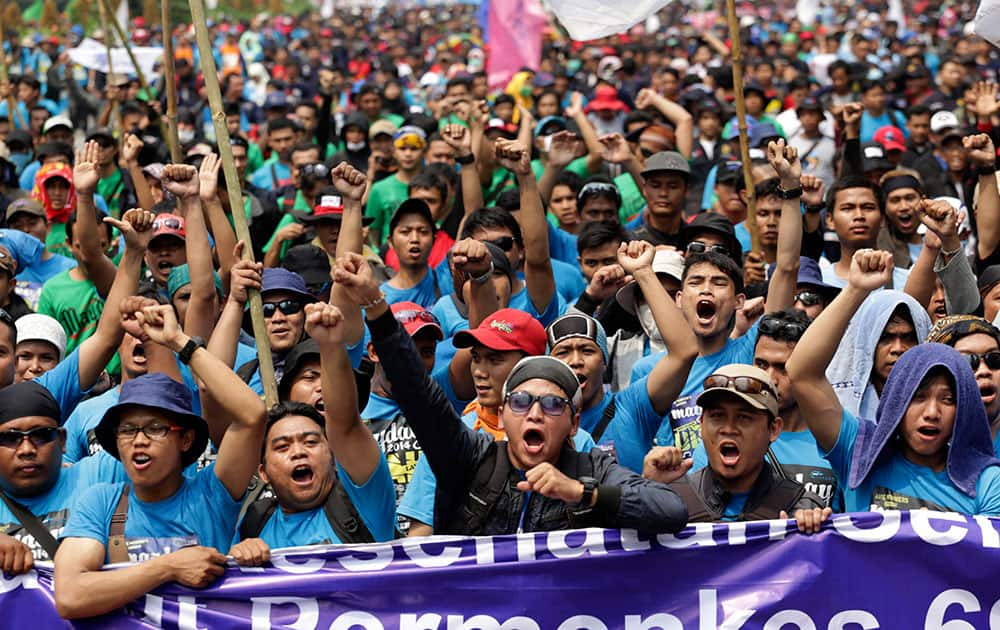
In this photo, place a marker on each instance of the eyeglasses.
(168, 223)
(287, 307)
(314, 170)
(154, 431)
(598, 188)
(742, 384)
(699, 247)
(991, 359)
(38, 437)
(506, 243)
(405, 317)
(771, 326)
(808, 298)
(552, 405)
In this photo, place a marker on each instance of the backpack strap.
(33, 525)
(487, 487)
(344, 517)
(248, 369)
(606, 418)
(256, 516)
(117, 549)
(698, 511)
(782, 497)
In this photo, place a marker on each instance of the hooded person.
(354, 135)
(886, 325)
(54, 190)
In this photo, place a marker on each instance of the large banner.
(919, 570)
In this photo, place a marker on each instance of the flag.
(806, 11)
(515, 28)
(590, 19)
(988, 21)
(121, 15)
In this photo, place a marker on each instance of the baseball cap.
(310, 262)
(547, 368)
(891, 137)
(381, 127)
(412, 206)
(329, 207)
(989, 277)
(558, 123)
(101, 133)
(667, 161)
(668, 262)
(57, 121)
(873, 158)
(506, 329)
(154, 170)
(18, 140)
(38, 327)
(809, 104)
(577, 326)
(304, 351)
(766, 399)
(168, 225)
(943, 120)
(762, 132)
(497, 124)
(25, 205)
(717, 223)
(415, 318)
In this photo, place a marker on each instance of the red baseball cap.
(891, 138)
(507, 329)
(416, 318)
(168, 225)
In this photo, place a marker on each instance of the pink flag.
(515, 32)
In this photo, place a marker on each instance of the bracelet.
(791, 193)
(947, 254)
(375, 302)
(483, 279)
(986, 171)
(465, 159)
(813, 209)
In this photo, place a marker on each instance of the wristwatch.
(189, 349)
(465, 159)
(589, 485)
(791, 193)
(483, 279)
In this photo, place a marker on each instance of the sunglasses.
(552, 405)
(405, 317)
(991, 359)
(314, 170)
(742, 384)
(154, 431)
(647, 152)
(287, 307)
(506, 243)
(771, 327)
(38, 437)
(597, 188)
(808, 298)
(168, 223)
(698, 247)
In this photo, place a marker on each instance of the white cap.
(668, 262)
(38, 327)
(943, 120)
(57, 121)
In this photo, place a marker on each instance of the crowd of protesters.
(549, 304)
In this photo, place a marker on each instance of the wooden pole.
(235, 194)
(138, 71)
(171, 83)
(12, 108)
(741, 117)
(113, 119)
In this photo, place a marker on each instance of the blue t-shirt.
(555, 308)
(562, 245)
(896, 483)
(45, 269)
(201, 512)
(264, 176)
(735, 506)
(54, 507)
(63, 382)
(743, 236)
(870, 124)
(425, 293)
(680, 426)
(631, 431)
(81, 440)
(830, 277)
(375, 502)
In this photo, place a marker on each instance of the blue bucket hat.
(809, 273)
(161, 393)
(279, 279)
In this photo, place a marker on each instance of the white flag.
(121, 14)
(93, 55)
(988, 21)
(591, 19)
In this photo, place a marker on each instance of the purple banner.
(930, 570)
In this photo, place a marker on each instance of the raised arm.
(353, 445)
(617, 151)
(870, 270)
(460, 139)
(785, 160)
(130, 153)
(100, 269)
(564, 148)
(352, 184)
(245, 275)
(240, 406)
(471, 261)
(594, 149)
(222, 231)
(670, 373)
(681, 118)
(983, 155)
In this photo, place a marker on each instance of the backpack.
(340, 512)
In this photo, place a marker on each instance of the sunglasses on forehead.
(742, 384)
(168, 223)
(771, 327)
(808, 298)
(698, 247)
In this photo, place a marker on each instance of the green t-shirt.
(299, 205)
(55, 241)
(255, 158)
(110, 188)
(395, 119)
(632, 200)
(383, 199)
(578, 166)
(77, 306)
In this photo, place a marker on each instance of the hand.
(753, 268)
(208, 177)
(513, 156)
(548, 481)
(136, 227)
(244, 275)
(986, 99)
(160, 325)
(812, 190)
(471, 257)
(616, 150)
(606, 281)
(15, 556)
(462, 109)
(290, 232)
(980, 149)
(325, 324)
(527, 118)
(746, 316)
(636, 256)
(785, 160)
(180, 180)
(111, 93)
(809, 521)
(575, 105)
(941, 218)
(480, 115)
(850, 114)
(128, 309)
(871, 269)
(646, 98)
(195, 567)
(564, 148)
(130, 149)
(349, 181)
(252, 552)
(354, 275)
(85, 175)
(459, 138)
(665, 464)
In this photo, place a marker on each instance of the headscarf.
(45, 173)
(970, 449)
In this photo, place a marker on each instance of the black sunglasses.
(314, 170)
(808, 298)
(38, 437)
(287, 307)
(506, 243)
(771, 327)
(991, 359)
(698, 247)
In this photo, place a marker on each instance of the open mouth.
(705, 310)
(730, 453)
(533, 441)
(941, 310)
(141, 461)
(905, 221)
(319, 406)
(139, 354)
(165, 266)
(929, 431)
(302, 474)
(988, 392)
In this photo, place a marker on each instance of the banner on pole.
(591, 19)
(515, 35)
(93, 55)
(918, 569)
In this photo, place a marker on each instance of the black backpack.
(340, 512)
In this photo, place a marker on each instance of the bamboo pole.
(235, 194)
(138, 71)
(170, 82)
(12, 108)
(113, 119)
(741, 117)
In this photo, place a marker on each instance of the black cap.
(310, 262)
(989, 277)
(103, 133)
(309, 349)
(412, 206)
(20, 138)
(753, 86)
(717, 223)
(810, 104)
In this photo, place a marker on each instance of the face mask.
(185, 135)
(648, 324)
(19, 160)
(354, 147)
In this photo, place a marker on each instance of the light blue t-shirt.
(562, 245)
(41, 271)
(631, 431)
(680, 426)
(54, 507)
(425, 293)
(522, 302)
(201, 512)
(63, 382)
(81, 441)
(899, 276)
(895, 483)
(735, 506)
(264, 178)
(375, 502)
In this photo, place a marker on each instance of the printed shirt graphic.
(398, 443)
